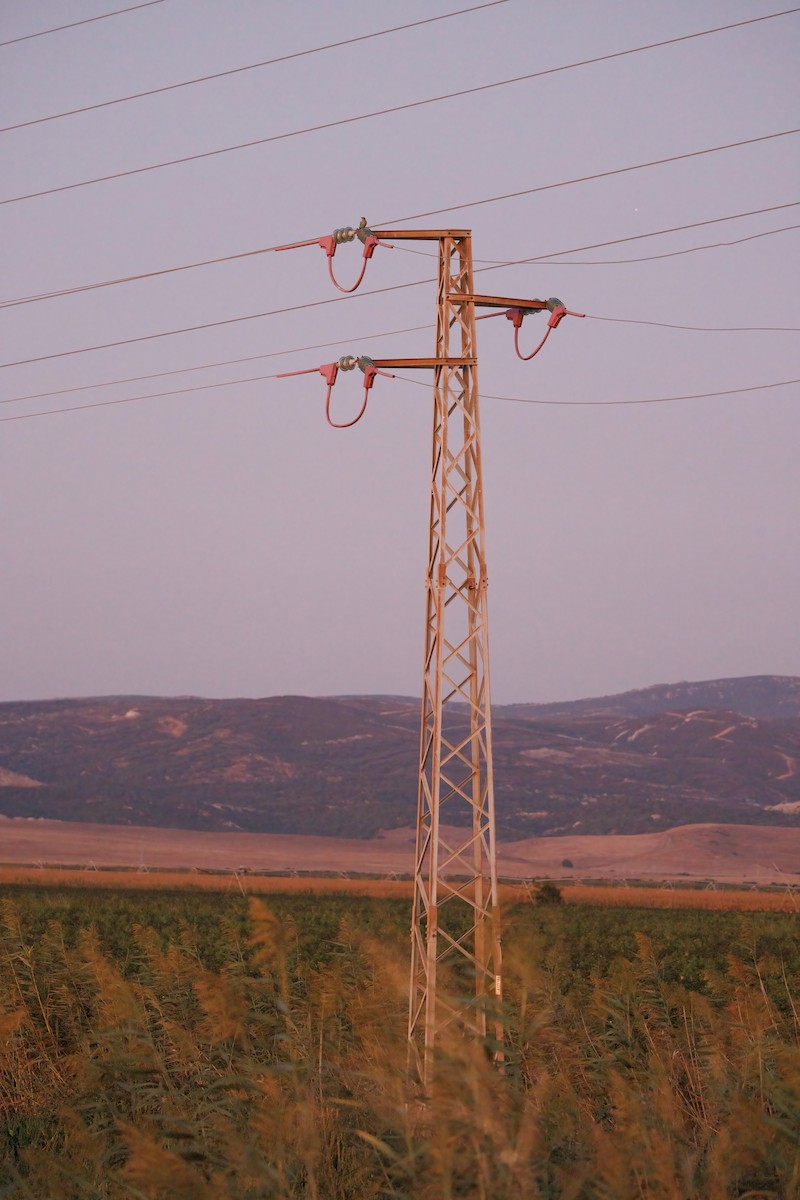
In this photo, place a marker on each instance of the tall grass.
(276, 1068)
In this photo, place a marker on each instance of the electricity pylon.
(455, 864)
(455, 929)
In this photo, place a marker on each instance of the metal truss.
(455, 933)
(456, 984)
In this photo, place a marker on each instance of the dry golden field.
(743, 854)
(786, 899)
(192, 1044)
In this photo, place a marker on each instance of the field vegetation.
(783, 898)
(177, 1043)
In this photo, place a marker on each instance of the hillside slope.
(726, 853)
(346, 766)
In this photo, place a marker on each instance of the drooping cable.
(499, 263)
(339, 237)
(279, 137)
(758, 387)
(405, 379)
(104, 283)
(363, 295)
(533, 353)
(149, 337)
(369, 246)
(697, 328)
(202, 387)
(620, 262)
(330, 373)
(638, 237)
(227, 362)
(548, 187)
(74, 24)
(268, 62)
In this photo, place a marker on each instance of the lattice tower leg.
(455, 931)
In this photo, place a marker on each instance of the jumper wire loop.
(330, 372)
(557, 312)
(338, 238)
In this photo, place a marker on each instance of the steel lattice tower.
(455, 926)
(455, 864)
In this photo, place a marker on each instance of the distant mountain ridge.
(720, 750)
(764, 696)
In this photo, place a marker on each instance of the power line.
(58, 293)
(699, 328)
(758, 387)
(381, 112)
(547, 187)
(88, 21)
(616, 262)
(103, 283)
(637, 237)
(203, 387)
(228, 362)
(371, 337)
(269, 62)
(486, 395)
(498, 264)
(149, 337)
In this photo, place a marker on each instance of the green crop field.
(173, 1044)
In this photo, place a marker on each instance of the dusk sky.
(226, 542)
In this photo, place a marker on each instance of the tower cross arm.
(422, 364)
(419, 235)
(503, 302)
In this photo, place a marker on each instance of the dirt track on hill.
(724, 853)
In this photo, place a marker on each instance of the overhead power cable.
(618, 262)
(497, 264)
(228, 362)
(74, 24)
(149, 337)
(103, 283)
(698, 328)
(268, 62)
(202, 387)
(638, 237)
(548, 187)
(381, 112)
(487, 396)
(758, 387)
(556, 261)
(207, 262)
(372, 292)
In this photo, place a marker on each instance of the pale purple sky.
(228, 543)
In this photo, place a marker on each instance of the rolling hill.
(724, 751)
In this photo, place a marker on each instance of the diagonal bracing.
(455, 845)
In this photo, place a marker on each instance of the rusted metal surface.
(455, 856)
(419, 235)
(507, 302)
(421, 364)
